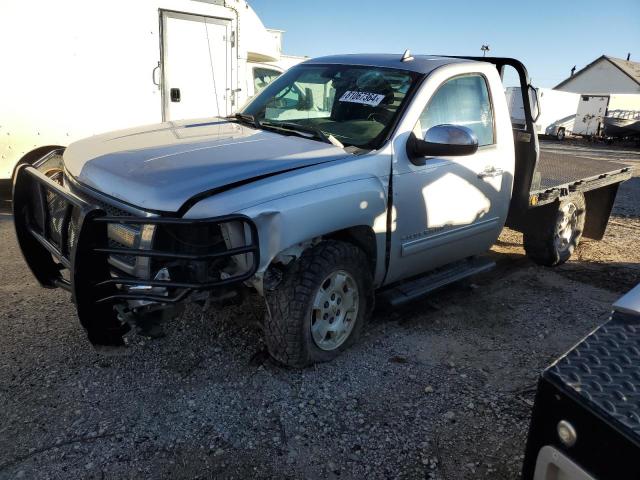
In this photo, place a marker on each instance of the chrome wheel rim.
(335, 310)
(566, 227)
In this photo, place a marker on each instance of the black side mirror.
(442, 141)
(305, 100)
(308, 97)
(534, 101)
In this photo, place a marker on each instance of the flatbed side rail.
(550, 195)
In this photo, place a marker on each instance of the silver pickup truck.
(347, 176)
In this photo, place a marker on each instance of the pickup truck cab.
(348, 175)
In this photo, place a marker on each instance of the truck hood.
(160, 167)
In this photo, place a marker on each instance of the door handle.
(490, 172)
(175, 94)
(153, 75)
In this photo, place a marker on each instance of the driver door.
(449, 208)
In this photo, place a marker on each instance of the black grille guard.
(76, 240)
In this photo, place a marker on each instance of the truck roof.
(420, 63)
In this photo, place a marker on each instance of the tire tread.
(288, 304)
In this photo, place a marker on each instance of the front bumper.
(66, 243)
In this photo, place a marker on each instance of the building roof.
(420, 63)
(629, 68)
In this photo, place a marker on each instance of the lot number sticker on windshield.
(365, 98)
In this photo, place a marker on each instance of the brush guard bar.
(58, 231)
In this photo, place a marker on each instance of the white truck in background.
(81, 67)
(557, 110)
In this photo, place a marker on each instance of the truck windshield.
(356, 105)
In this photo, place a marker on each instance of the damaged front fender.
(298, 220)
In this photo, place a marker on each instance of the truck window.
(309, 94)
(263, 77)
(356, 104)
(461, 101)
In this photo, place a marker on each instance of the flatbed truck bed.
(558, 174)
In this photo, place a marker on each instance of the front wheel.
(551, 239)
(320, 306)
(560, 134)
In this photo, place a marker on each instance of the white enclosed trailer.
(592, 109)
(557, 110)
(591, 112)
(76, 68)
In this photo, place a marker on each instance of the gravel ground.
(439, 389)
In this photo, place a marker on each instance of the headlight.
(135, 237)
(125, 235)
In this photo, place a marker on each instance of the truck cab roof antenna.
(407, 57)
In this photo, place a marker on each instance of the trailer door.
(196, 60)
(591, 111)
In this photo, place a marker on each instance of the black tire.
(560, 134)
(546, 241)
(288, 323)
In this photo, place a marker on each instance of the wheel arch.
(6, 184)
(34, 155)
(363, 237)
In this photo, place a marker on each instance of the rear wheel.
(320, 306)
(551, 238)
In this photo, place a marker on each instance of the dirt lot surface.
(439, 389)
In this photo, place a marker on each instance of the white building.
(605, 75)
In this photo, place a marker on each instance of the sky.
(549, 37)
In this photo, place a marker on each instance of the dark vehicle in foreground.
(586, 417)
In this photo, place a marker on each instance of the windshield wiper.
(304, 129)
(246, 118)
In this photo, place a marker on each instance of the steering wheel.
(381, 116)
